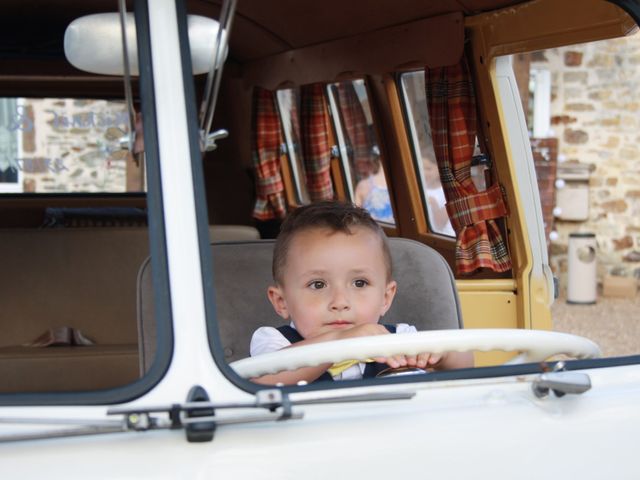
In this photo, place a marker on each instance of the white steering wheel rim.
(535, 346)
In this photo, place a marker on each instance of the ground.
(613, 323)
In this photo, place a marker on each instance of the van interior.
(74, 230)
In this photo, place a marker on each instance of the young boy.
(333, 280)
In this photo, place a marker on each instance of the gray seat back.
(426, 295)
(232, 233)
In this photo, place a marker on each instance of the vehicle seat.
(81, 278)
(229, 233)
(426, 298)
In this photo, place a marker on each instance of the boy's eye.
(360, 283)
(317, 284)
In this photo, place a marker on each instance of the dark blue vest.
(370, 371)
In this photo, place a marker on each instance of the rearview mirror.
(94, 43)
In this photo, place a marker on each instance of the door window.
(359, 149)
(415, 102)
(289, 107)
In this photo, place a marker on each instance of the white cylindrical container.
(582, 282)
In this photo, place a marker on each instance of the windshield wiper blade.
(363, 397)
(96, 429)
(78, 426)
(269, 399)
(58, 421)
(188, 415)
(196, 416)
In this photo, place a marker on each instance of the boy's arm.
(449, 361)
(452, 360)
(292, 377)
(441, 361)
(309, 374)
(437, 361)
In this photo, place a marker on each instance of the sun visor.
(432, 42)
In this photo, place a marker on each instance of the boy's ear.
(277, 300)
(389, 293)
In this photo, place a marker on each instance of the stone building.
(57, 145)
(594, 113)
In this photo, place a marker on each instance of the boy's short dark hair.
(335, 216)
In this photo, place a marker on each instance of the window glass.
(414, 96)
(581, 104)
(70, 267)
(289, 107)
(66, 145)
(359, 149)
(10, 174)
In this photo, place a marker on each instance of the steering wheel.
(533, 345)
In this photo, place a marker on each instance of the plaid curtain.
(359, 137)
(452, 116)
(316, 149)
(266, 153)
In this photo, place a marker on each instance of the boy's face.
(332, 280)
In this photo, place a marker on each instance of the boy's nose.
(339, 301)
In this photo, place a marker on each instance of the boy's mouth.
(339, 323)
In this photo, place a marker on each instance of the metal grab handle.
(131, 111)
(208, 106)
(561, 383)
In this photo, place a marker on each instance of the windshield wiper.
(77, 427)
(363, 397)
(196, 416)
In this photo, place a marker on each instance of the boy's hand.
(423, 360)
(438, 361)
(426, 360)
(365, 330)
(371, 329)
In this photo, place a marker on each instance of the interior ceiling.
(264, 27)
(261, 27)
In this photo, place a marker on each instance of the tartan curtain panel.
(266, 153)
(452, 117)
(316, 149)
(358, 135)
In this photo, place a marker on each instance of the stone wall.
(595, 108)
(72, 145)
